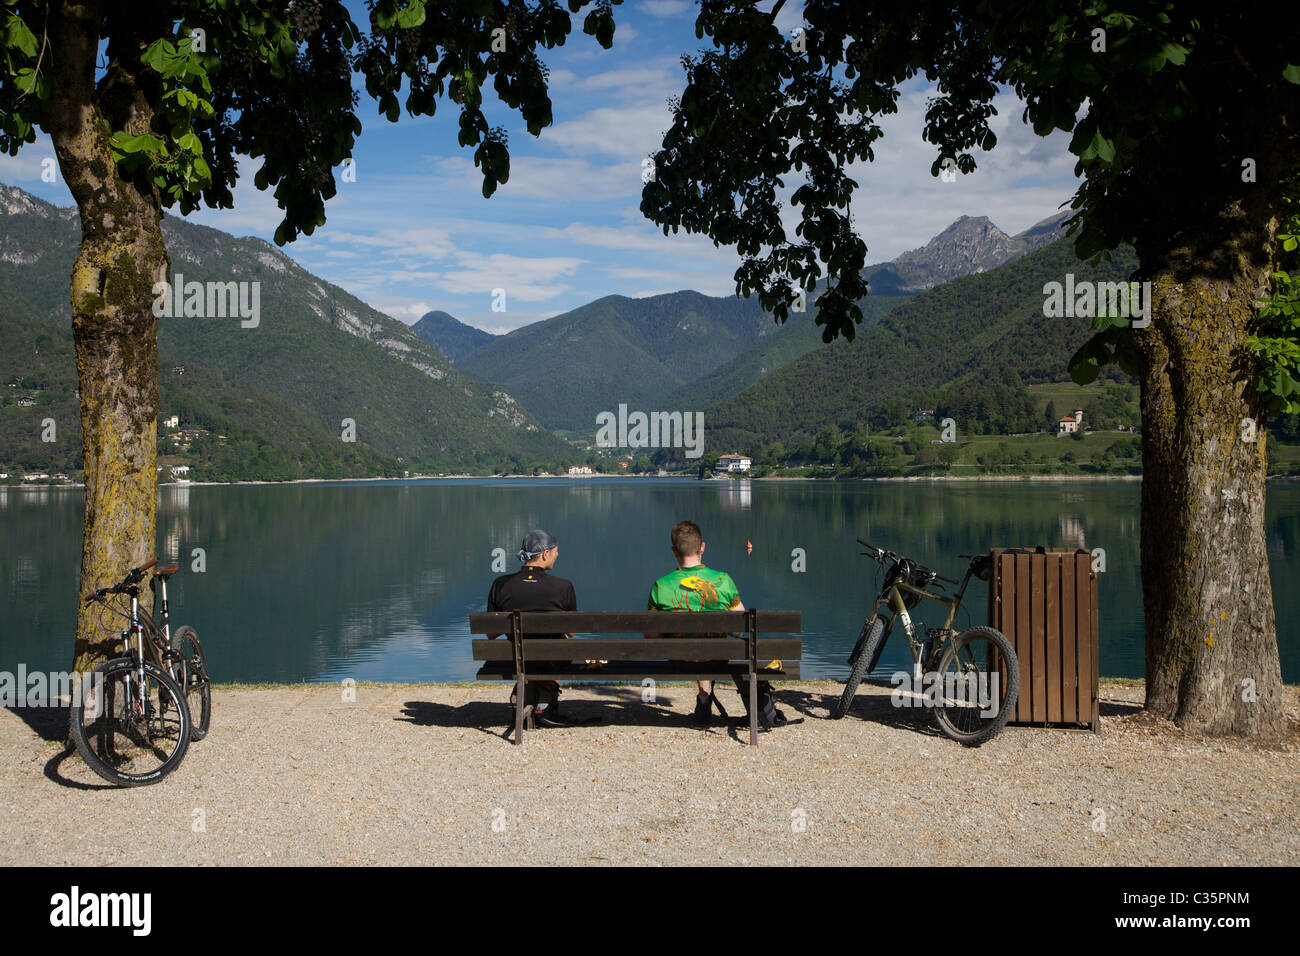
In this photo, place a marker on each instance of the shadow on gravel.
(872, 708)
(1117, 708)
(51, 723)
(52, 774)
(618, 705)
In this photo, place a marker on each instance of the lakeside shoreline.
(936, 479)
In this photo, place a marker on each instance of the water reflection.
(375, 580)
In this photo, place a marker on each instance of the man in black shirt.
(534, 588)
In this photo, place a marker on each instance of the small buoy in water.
(749, 546)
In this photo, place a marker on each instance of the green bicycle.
(970, 680)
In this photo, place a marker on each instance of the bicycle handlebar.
(134, 576)
(882, 552)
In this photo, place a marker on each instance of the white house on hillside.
(733, 462)
(1069, 425)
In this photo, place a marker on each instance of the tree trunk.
(115, 330)
(1212, 662)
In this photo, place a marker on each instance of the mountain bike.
(971, 680)
(132, 719)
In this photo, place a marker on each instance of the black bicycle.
(135, 715)
(970, 680)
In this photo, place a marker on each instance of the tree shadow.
(49, 723)
(1118, 708)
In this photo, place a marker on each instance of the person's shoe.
(703, 708)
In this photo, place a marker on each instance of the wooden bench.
(666, 658)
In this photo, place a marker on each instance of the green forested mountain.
(797, 337)
(618, 350)
(450, 336)
(684, 350)
(316, 356)
(969, 331)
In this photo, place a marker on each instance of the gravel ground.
(419, 774)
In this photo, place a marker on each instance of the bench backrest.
(636, 622)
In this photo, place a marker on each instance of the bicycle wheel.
(127, 737)
(867, 653)
(189, 668)
(979, 678)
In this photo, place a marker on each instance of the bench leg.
(753, 709)
(521, 696)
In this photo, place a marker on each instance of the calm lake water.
(374, 580)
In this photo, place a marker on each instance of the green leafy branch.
(175, 162)
(1277, 347)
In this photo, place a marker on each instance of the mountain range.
(316, 349)
(442, 395)
(684, 350)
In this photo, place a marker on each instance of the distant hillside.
(316, 349)
(973, 329)
(450, 336)
(969, 246)
(616, 350)
(684, 349)
(796, 338)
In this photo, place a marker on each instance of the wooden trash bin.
(1045, 602)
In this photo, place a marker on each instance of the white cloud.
(665, 8)
(553, 180)
(628, 132)
(26, 168)
(524, 278)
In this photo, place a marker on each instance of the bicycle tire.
(962, 722)
(110, 724)
(873, 635)
(191, 673)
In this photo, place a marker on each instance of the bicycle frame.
(893, 595)
(159, 637)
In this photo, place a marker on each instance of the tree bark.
(1211, 638)
(115, 330)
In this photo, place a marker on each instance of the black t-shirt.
(532, 589)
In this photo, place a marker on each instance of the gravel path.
(418, 774)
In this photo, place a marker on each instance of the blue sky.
(414, 233)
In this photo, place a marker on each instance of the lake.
(374, 580)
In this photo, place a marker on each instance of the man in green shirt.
(697, 587)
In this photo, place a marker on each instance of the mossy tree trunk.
(1211, 637)
(116, 333)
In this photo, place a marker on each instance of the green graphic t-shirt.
(694, 589)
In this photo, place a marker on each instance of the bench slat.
(632, 622)
(636, 670)
(639, 648)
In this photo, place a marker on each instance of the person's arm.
(572, 602)
(492, 606)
